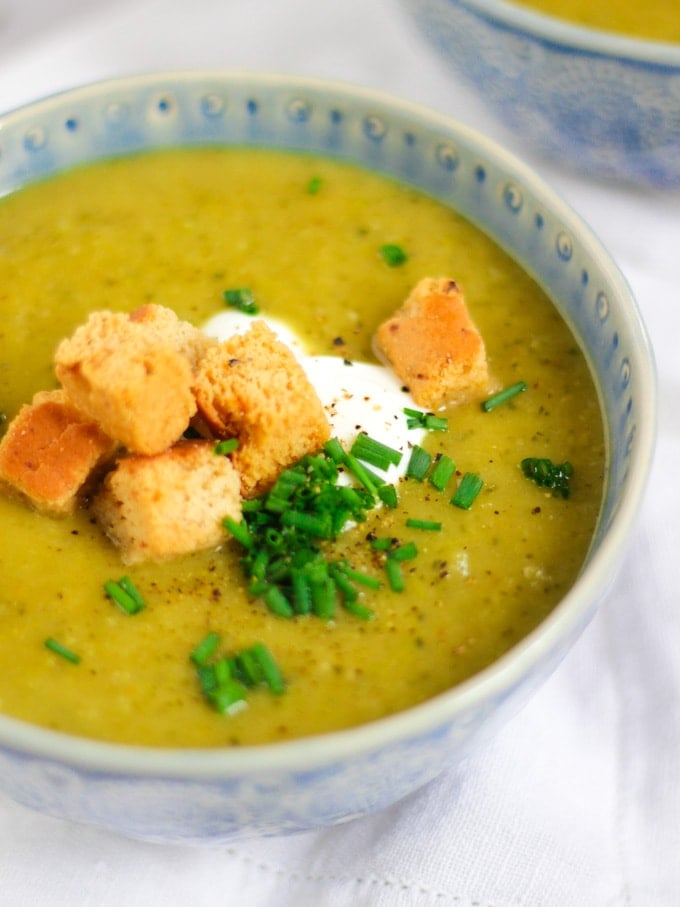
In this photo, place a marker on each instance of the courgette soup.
(314, 243)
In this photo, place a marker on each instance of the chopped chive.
(429, 525)
(388, 495)
(335, 450)
(126, 601)
(375, 453)
(383, 544)
(222, 669)
(418, 419)
(358, 610)
(207, 678)
(63, 651)
(270, 670)
(344, 585)
(323, 598)
(361, 474)
(277, 602)
(419, 463)
(358, 577)
(442, 471)
(395, 577)
(229, 445)
(314, 185)
(470, 486)
(302, 592)
(128, 586)
(239, 531)
(436, 423)
(229, 697)
(205, 649)
(249, 667)
(503, 396)
(393, 255)
(404, 552)
(241, 299)
(318, 525)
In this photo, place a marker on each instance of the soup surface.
(656, 20)
(177, 228)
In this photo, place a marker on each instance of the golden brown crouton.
(434, 347)
(173, 503)
(136, 385)
(252, 387)
(51, 452)
(167, 327)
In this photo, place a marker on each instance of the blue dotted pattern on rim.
(121, 118)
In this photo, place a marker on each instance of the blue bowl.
(606, 105)
(218, 795)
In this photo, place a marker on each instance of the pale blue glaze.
(605, 104)
(175, 795)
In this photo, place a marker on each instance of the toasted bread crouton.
(167, 327)
(51, 453)
(169, 504)
(433, 346)
(252, 387)
(134, 384)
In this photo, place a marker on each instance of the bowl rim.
(562, 32)
(307, 753)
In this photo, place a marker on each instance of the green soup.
(177, 228)
(655, 20)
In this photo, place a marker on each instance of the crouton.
(252, 387)
(167, 327)
(51, 453)
(131, 381)
(169, 504)
(433, 346)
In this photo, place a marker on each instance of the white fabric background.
(577, 801)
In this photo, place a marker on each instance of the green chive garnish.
(395, 577)
(270, 670)
(124, 593)
(205, 649)
(404, 552)
(470, 486)
(241, 299)
(277, 602)
(63, 651)
(335, 450)
(314, 185)
(503, 396)
(229, 445)
(375, 453)
(239, 531)
(419, 463)
(361, 474)
(418, 419)
(442, 471)
(428, 525)
(393, 255)
(388, 495)
(228, 697)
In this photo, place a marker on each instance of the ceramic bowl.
(604, 104)
(218, 795)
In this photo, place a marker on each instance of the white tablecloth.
(577, 801)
